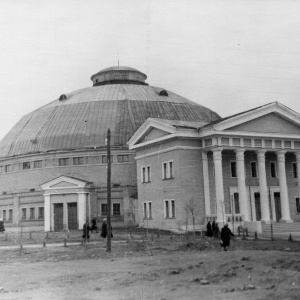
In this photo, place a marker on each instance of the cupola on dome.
(119, 74)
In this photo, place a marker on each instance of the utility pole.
(108, 247)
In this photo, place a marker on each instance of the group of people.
(87, 229)
(212, 230)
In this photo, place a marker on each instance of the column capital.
(204, 155)
(281, 155)
(261, 155)
(239, 153)
(297, 154)
(217, 153)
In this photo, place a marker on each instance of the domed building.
(53, 161)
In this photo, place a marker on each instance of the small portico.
(66, 203)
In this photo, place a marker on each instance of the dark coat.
(208, 229)
(2, 226)
(104, 230)
(94, 225)
(225, 236)
(86, 231)
(213, 226)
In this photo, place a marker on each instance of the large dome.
(81, 118)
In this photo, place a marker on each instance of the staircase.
(281, 230)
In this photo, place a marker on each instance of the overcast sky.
(228, 55)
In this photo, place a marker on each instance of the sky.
(229, 56)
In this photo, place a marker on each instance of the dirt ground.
(161, 268)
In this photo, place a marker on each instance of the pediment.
(64, 182)
(270, 123)
(273, 118)
(152, 134)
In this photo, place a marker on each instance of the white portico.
(263, 178)
(67, 203)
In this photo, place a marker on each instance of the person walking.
(2, 225)
(86, 231)
(104, 229)
(213, 227)
(208, 230)
(216, 232)
(225, 236)
(94, 225)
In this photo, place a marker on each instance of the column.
(264, 199)
(47, 212)
(206, 183)
(284, 198)
(240, 166)
(219, 185)
(81, 209)
(298, 169)
(16, 210)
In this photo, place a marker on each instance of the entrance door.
(58, 216)
(277, 206)
(257, 206)
(72, 216)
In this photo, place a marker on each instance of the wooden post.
(108, 249)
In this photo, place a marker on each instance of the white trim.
(231, 161)
(276, 171)
(274, 107)
(293, 174)
(168, 169)
(167, 137)
(77, 183)
(170, 208)
(256, 168)
(167, 150)
(146, 127)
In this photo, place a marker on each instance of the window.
(1, 169)
(149, 173)
(8, 168)
(116, 209)
(146, 174)
(4, 215)
(236, 203)
(165, 166)
(104, 209)
(104, 159)
(147, 210)
(122, 158)
(26, 165)
(233, 169)
(167, 170)
(10, 215)
(273, 169)
(116, 76)
(41, 213)
(37, 164)
(253, 169)
(32, 211)
(23, 213)
(297, 205)
(295, 173)
(63, 161)
(123, 76)
(78, 161)
(169, 209)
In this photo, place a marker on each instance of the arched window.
(163, 93)
(62, 97)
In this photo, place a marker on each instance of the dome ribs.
(82, 120)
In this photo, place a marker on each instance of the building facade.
(242, 169)
(53, 162)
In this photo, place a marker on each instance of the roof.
(81, 121)
(119, 68)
